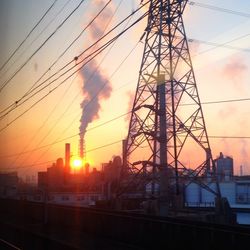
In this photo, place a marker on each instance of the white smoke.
(94, 90)
(96, 86)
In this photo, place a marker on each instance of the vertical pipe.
(124, 153)
(164, 195)
(67, 157)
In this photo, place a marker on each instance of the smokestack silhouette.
(96, 86)
(67, 157)
(81, 147)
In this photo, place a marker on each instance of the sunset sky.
(33, 141)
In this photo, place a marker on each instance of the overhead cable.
(39, 48)
(212, 7)
(16, 103)
(25, 39)
(31, 43)
(31, 89)
(83, 62)
(122, 115)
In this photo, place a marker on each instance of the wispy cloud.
(234, 71)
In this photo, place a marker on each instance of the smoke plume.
(94, 90)
(96, 85)
(98, 26)
(235, 70)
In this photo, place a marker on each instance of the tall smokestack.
(241, 170)
(124, 149)
(67, 156)
(81, 147)
(86, 169)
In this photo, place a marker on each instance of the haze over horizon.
(219, 45)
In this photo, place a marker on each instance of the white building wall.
(193, 194)
(207, 196)
(228, 190)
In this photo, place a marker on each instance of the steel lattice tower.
(167, 124)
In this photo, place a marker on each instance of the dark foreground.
(29, 225)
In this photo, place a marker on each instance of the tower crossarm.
(167, 128)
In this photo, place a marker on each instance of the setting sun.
(76, 163)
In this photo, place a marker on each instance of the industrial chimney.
(67, 157)
(81, 148)
(124, 148)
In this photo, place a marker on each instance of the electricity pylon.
(167, 138)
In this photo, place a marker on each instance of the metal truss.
(167, 140)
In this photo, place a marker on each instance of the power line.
(102, 62)
(217, 45)
(30, 44)
(221, 101)
(100, 91)
(47, 39)
(17, 103)
(66, 138)
(122, 115)
(225, 137)
(70, 45)
(104, 36)
(212, 7)
(72, 136)
(91, 56)
(40, 128)
(97, 95)
(103, 146)
(118, 65)
(224, 45)
(25, 39)
(228, 137)
(34, 104)
(74, 98)
(58, 119)
(115, 142)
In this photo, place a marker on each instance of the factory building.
(82, 187)
(243, 191)
(53, 178)
(235, 188)
(8, 184)
(81, 199)
(224, 167)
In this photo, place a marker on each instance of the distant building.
(112, 169)
(243, 191)
(236, 189)
(236, 192)
(42, 179)
(56, 174)
(53, 178)
(86, 169)
(224, 168)
(8, 184)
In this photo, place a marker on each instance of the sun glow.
(76, 163)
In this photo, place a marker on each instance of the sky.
(31, 140)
